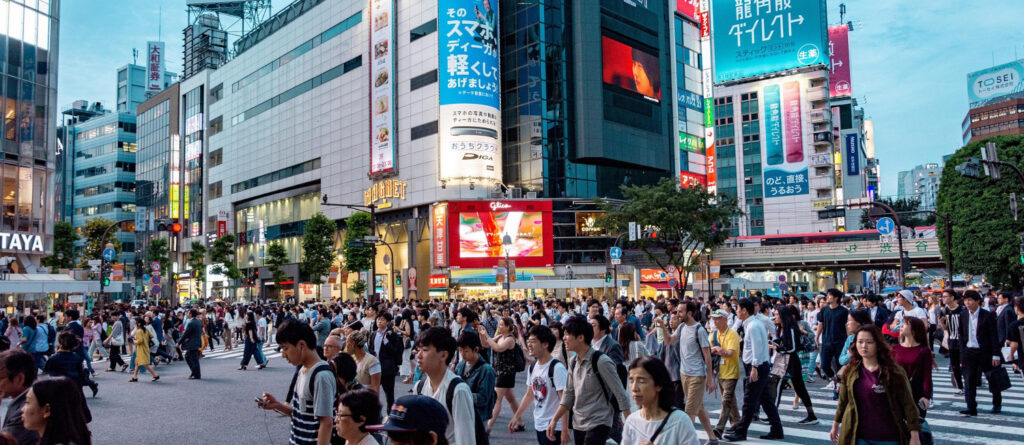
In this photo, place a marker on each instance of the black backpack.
(323, 367)
(518, 359)
(51, 337)
(480, 431)
(551, 370)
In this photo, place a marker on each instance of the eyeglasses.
(339, 415)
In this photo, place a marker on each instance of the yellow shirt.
(730, 366)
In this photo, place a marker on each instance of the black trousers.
(974, 364)
(830, 359)
(597, 436)
(796, 380)
(387, 383)
(756, 394)
(192, 359)
(954, 363)
(115, 357)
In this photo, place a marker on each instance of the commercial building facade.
(996, 98)
(921, 184)
(28, 69)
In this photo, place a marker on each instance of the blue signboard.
(852, 155)
(757, 37)
(779, 183)
(690, 100)
(775, 155)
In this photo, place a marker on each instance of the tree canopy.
(901, 205)
(358, 256)
(92, 231)
(318, 248)
(197, 262)
(985, 236)
(64, 237)
(277, 256)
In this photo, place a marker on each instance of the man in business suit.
(1004, 316)
(979, 350)
(387, 345)
(18, 369)
(603, 340)
(879, 313)
(191, 341)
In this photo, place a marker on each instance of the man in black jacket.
(979, 349)
(386, 344)
(191, 342)
(1004, 316)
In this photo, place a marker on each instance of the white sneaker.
(831, 386)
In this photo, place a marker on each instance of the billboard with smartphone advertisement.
(630, 68)
(839, 53)
(477, 230)
(760, 37)
(382, 87)
(999, 80)
(469, 127)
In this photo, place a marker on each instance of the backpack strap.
(450, 394)
(597, 373)
(551, 371)
(312, 379)
(661, 426)
(291, 387)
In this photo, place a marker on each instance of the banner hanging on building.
(839, 52)
(155, 67)
(470, 117)
(382, 87)
(852, 155)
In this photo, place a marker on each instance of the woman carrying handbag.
(787, 364)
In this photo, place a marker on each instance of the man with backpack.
(477, 373)
(694, 363)
(593, 411)
(311, 398)
(436, 348)
(546, 382)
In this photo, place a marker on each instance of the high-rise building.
(132, 86)
(996, 97)
(921, 184)
(29, 36)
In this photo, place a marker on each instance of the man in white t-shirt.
(546, 381)
(905, 307)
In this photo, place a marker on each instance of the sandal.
(155, 378)
(241, 368)
(133, 379)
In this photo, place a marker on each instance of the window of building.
(216, 93)
(422, 131)
(297, 90)
(215, 190)
(216, 125)
(276, 175)
(216, 157)
(423, 30)
(423, 80)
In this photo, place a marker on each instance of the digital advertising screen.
(477, 230)
(629, 68)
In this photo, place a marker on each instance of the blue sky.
(909, 61)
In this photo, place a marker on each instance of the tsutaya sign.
(382, 190)
(21, 242)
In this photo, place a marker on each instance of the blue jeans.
(877, 442)
(40, 359)
(260, 357)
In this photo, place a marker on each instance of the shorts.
(693, 388)
(505, 381)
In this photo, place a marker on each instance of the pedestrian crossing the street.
(945, 422)
(269, 351)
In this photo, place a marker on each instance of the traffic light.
(905, 261)
(970, 169)
(607, 277)
(398, 279)
(168, 225)
(105, 282)
(1021, 248)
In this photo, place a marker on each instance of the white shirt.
(755, 342)
(916, 312)
(678, 430)
(545, 395)
(972, 330)
(458, 433)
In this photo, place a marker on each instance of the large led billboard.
(759, 37)
(630, 68)
(999, 80)
(477, 231)
(469, 128)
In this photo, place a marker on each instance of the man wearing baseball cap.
(415, 419)
(905, 307)
(725, 343)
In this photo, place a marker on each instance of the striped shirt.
(308, 408)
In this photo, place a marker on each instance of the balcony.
(822, 182)
(823, 138)
(817, 94)
(821, 116)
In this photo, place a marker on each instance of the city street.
(219, 409)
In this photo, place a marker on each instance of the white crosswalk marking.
(944, 420)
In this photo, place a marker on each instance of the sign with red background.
(476, 229)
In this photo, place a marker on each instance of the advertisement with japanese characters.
(155, 67)
(852, 155)
(688, 8)
(786, 171)
(999, 80)
(754, 37)
(839, 52)
(470, 118)
(382, 87)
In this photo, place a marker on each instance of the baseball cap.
(718, 313)
(415, 413)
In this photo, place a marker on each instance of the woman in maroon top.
(915, 357)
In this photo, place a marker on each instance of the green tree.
(64, 237)
(358, 256)
(688, 221)
(92, 231)
(318, 248)
(985, 237)
(277, 256)
(197, 263)
(900, 205)
(222, 254)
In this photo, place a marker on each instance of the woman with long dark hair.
(914, 355)
(875, 401)
(632, 348)
(55, 409)
(251, 337)
(788, 342)
(503, 344)
(657, 421)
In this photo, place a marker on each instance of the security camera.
(325, 198)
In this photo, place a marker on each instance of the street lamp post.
(506, 241)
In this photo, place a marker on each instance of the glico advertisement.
(382, 87)
(470, 117)
(785, 166)
(760, 37)
(477, 232)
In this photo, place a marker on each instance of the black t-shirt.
(833, 323)
(1013, 333)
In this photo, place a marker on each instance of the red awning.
(658, 285)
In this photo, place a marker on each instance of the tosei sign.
(999, 80)
(21, 242)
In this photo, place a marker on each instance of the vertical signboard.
(773, 125)
(155, 67)
(469, 126)
(794, 123)
(382, 87)
(852, 155)
(439, 234)
(706, 75)
(760, 37)
(839, 54)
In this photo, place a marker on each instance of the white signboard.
(155, 67)
(382, 86)
(20, 242)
